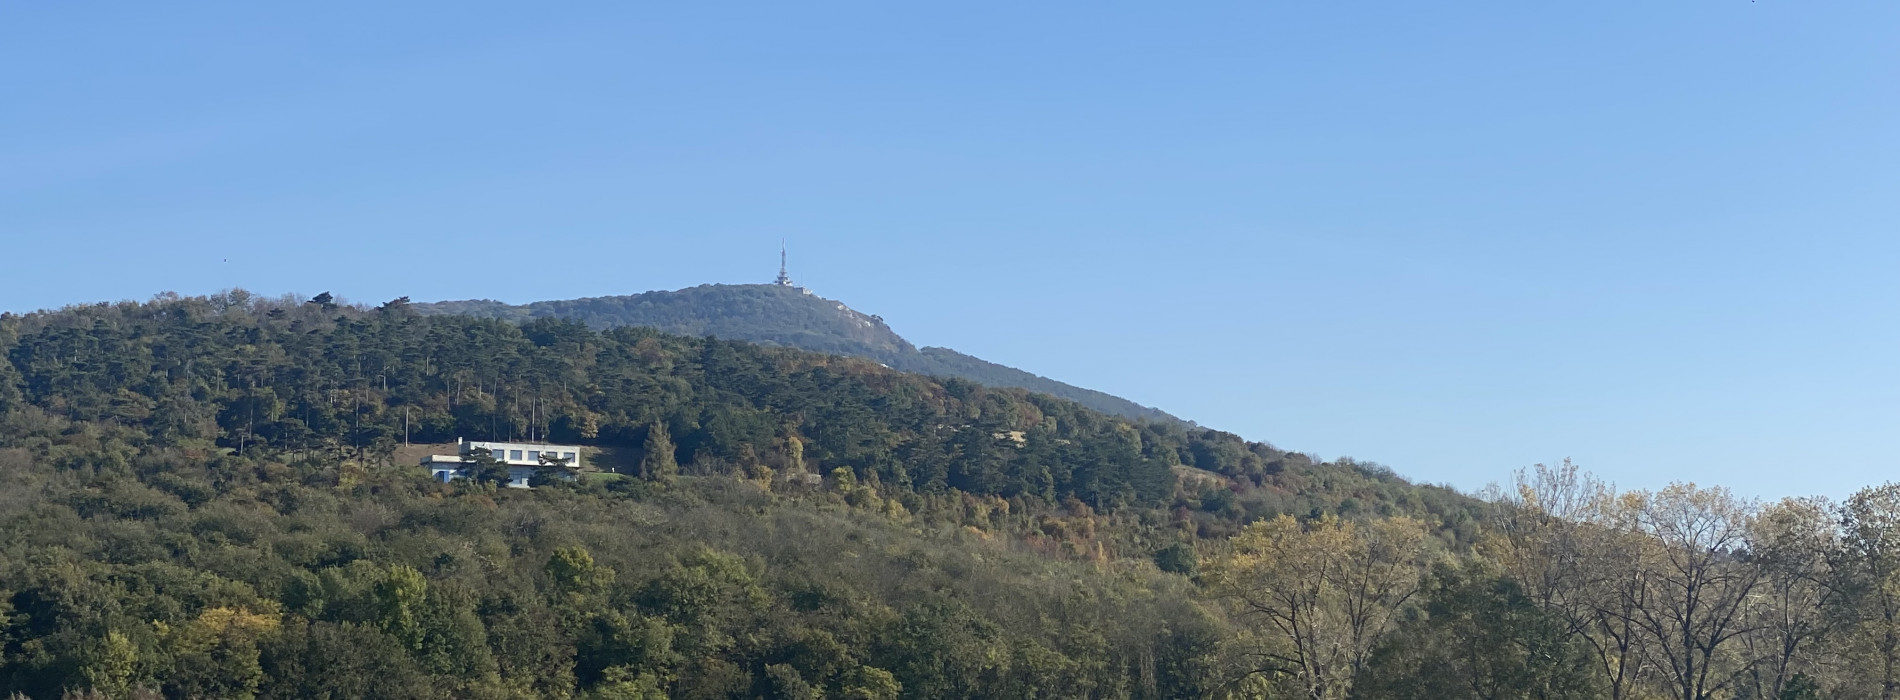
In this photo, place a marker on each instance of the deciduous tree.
(1869, 574)
(1319, 594)
(1700, 587)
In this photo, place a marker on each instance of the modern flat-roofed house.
(524, 454)
(524, 459)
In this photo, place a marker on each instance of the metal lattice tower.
(784, 278)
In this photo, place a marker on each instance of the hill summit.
(781, 314)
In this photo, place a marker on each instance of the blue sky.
(1455, 238)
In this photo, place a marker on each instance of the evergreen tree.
(1480, 638)
(10, 394)
(485, 469)
(657, 462)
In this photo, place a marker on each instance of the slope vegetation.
(204, 503)
(790, 317)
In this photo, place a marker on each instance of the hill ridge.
(791, 317)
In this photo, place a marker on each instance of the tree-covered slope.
(240, 373)
(127, 566)
(791, 317)
(203, 501)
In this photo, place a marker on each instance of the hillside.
(205, 503)
(205, 500)
(244, 373)
(792, 317)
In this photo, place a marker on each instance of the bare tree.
(1699, 585)
(1795, 543)
(1537, 533)
(1565, 537)
(1869, 574)
(1322, 593)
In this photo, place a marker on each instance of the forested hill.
(211, 498)
(205, 500)
(244, 373)
(792, 317)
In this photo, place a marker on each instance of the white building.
(524, 459)
(523, 454)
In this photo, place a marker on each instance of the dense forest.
(213, 497)
(791, 317)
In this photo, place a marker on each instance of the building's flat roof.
(523, 445)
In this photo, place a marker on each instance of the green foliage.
(211, 497)
(341, 387)
(398, 599)
(335, 661)
(214, 654)
(1801, 687)
(1479, 637)
(208, 502)
(944, 362)
(867, 683)
(657, 462)
(621, 684)
(774, 315)
(112, 667)
(784, 683)
(574, 572)
(483, 468)
(1177, 558)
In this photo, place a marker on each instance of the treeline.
(763, 313)
(944, 362)
(1578, 591)
(790, 317)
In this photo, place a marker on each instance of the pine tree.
(485, 468)
(658, 464)
(10, 394)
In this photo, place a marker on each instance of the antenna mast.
(784, 279)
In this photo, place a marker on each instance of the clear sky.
(1453, 237)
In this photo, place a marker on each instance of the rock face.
(789, 316)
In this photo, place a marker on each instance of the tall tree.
(1565, 536)
(1699, 586)
(484, 468)
(1795, 543)
(1320, 593)
(1869, 573)
(1480, 638)
(657, 462)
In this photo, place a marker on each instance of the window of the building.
(569, 456)
(534, 455)
(514, 455)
